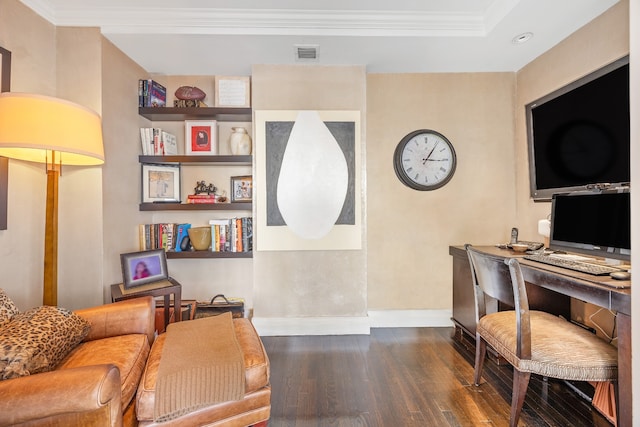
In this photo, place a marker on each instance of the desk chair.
(533, 342)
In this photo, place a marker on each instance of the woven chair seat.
(559, 349)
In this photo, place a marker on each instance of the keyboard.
(581, 266)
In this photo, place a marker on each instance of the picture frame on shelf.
(241, 188)
(160, 183)
(201, 137)
(232, 92)
(141, 268)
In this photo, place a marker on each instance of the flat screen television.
(578, 135)
(592, 223)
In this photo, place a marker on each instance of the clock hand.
(430, 153)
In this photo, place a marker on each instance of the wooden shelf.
(208, 254)
(166, 114)
(222, 160)
(243, 206)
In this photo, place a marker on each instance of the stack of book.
(232, 234)
(162, 235)
(151, 94)
(201, 198)
(156, 142)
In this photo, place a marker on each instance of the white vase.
(240, 142)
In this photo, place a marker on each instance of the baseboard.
(410, 318)
(288, 326)
(285, 326)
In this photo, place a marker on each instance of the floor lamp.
(49, 130)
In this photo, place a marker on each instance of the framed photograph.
(201, 137)
(160, 183)
(242, 188)
(140, 268)
(232, 92)
(5, 86)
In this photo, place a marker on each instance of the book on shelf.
(181, 233)
(156, 142)
(170, 144)
(201, 198)
(232, 234)
(162, 235)
(151, 94)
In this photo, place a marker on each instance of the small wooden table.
(118, 293)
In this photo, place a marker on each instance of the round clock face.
(424, 160)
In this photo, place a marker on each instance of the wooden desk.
(552, 287)
(117, 294)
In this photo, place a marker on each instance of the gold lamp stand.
(50, 284)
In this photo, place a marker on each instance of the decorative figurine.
(202, 188)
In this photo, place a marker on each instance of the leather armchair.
(86, 394)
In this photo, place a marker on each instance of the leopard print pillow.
(7, 308)
(38, 339)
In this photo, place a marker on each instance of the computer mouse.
(620, 275)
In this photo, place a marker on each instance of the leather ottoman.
(253, 409)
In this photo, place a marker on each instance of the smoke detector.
(307, 52)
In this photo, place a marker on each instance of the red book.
(201, 196)
(210, 201)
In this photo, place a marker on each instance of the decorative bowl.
(200, 238)
(519, 247)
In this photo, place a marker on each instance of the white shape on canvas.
(313, 179)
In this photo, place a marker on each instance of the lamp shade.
(32, 126)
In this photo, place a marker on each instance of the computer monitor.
(592, 223)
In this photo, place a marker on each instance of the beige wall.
(310, 283)
(121, 171)
(410, 231)
(79, 79)
(603, 40)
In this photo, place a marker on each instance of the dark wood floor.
(401, 377)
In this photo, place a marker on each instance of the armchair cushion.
(127, 352)
(38, 339)
(7, 308)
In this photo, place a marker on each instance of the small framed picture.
(232, 91)
(140, 268)
(242, 188)
(201, 137)
(160, 183)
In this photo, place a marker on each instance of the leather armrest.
(131, 316)
(88, 396)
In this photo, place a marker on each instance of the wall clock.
(424, 160)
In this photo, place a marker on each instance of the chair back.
(491, 276)
(501, 279)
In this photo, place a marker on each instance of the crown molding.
(181, 20)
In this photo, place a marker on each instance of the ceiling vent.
(307, 53)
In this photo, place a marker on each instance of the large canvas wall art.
(308, 185)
